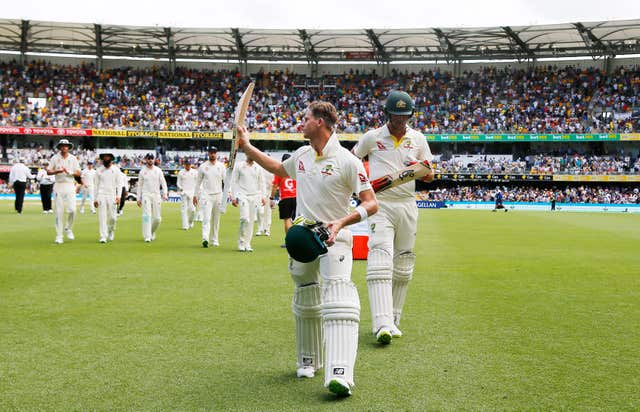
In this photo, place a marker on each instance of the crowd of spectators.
(570, 194)
(546, 164)
(541, 100)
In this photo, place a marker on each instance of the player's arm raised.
(269, 163)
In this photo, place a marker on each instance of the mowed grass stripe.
(506, 311)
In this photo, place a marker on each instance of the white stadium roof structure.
(595, 39)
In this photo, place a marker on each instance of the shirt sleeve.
(163, 182)
(364, 145)
(140, 183)
(291, 164)
(358, 179)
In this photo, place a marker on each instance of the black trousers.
(18, 188)
(122, 199)
(45, 196)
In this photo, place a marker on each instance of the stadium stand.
(546, 99)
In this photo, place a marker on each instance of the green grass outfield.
(507, 311)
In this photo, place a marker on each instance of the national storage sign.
(441, 138)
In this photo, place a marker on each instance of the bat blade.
(239, 117)
(415, 171)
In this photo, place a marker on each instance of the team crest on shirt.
(381, 146)
(327, 170)
(300, 166)
(407, 145)
(362, 177)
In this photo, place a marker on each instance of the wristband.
(362, 212)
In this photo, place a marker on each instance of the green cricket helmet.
(399, 103)
(304, 244)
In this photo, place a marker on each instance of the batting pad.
(341, 315)
(379, 284)
(306, 310)
(403, 266)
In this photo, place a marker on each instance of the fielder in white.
(208, 194)
(152, 190)
(108, 186)
(248, 196)
(87, 177)
(66, 168)
(186, 186)
(327, 174)
(263, 215)
(392, 232)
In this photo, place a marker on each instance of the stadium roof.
(596, 39)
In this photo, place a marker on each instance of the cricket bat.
(238, 120)
(402, 176)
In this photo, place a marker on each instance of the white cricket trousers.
(65, 201)
(107, 215)
(247, 205)
(264, 217)
(187, 210)
(151, 204)
(210, 216)
(87, 193)
(339, 312)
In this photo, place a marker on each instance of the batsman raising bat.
(325, 300)
(397, 156)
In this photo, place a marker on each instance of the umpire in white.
(327, 174)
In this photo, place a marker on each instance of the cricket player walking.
(208, 194)
(186, 183)
(87, 177)
(107, 190)
(248, 196)
(263, 216)
(327, 175)
(66, 168)
(392, 231)
(152, 190)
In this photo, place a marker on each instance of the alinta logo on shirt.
(381, 146)
(300, 166)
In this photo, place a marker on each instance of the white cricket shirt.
(388, 154)
(325, 183)
(247, 179)
(150, 181)
(88, 176)
(108, 182)
(187, 181)
(210, 178)
(70, 163)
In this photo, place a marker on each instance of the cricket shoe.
(111, 236)
(259, 233)
(267, 233)
(153, 236)
(384, 336)
(395, 332)
(248, 249)
(69, 234)
(147, 240)
(216, 243)
(306, 372)
(59, 240)
(339, 386)
(103, 240)
(205, 243)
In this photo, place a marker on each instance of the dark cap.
(213, 149)
(186, 161)
(149, 156)
(285, 156)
